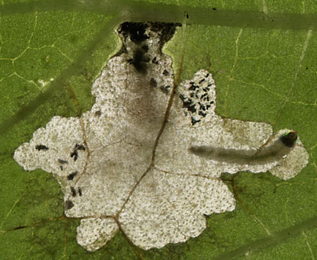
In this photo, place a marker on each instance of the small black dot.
(71, 176)
(73, 191)
(201, 81)
(41, 147)
(153, 83)
(166, 73)
(194, 121)
(75, 155)
(80, 147)
(68, 204)
(165, 89)
(154, 61)
(62, 161)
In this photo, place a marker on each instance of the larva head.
(289, 139)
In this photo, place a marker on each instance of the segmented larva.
(268, 154)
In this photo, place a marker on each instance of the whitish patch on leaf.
(116, 176)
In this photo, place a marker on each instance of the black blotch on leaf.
(153, 83)
(62, 161)
(188, 104)
(68, 204)
(196, 100)
(166, 30)
(136, 31)
(193, 86)
(194, 121)
(41, 147)
(73, 191)
(75, 151)
(154, 61)
(75, 155)
(165, 89)
(71, 176)
(79, 191)
(166, 73)
(80, 147)
(201, 81)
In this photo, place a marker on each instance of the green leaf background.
(262, 55)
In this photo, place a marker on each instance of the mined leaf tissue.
(119, 169)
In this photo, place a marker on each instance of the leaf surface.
(262, 56)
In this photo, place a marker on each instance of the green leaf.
(263, 61)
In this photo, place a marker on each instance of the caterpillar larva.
(270, 153)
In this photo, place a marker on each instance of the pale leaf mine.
(99, 158)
